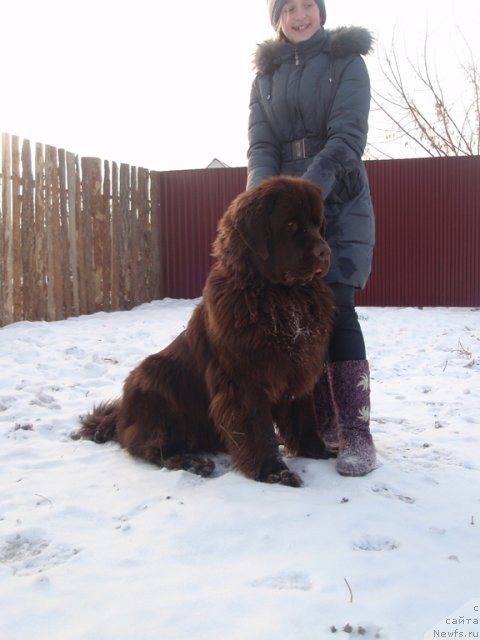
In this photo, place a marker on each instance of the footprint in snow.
(285, 580)
(30, 552)
(375, 543)
(387, 492)
(43, 399)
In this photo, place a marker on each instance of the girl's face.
(299, 20)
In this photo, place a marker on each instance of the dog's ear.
(252, 220)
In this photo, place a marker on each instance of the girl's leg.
(346, 342)
(347, 382)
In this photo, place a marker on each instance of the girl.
(309, 111)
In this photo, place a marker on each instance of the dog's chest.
(291, 327)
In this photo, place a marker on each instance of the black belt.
(301, 148)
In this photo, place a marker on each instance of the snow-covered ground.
(95, 545)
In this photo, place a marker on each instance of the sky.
(165, 85)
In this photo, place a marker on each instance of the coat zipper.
(298, 63)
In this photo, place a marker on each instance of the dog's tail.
(100, 425)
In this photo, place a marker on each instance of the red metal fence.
(428, 230)
(189, 208)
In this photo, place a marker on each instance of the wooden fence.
(76, 235)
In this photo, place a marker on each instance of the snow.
(96, 545)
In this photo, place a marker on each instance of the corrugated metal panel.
(190, 206)
(428, 230)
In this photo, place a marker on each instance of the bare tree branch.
(443, 128)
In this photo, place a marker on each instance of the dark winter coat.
(309, 117)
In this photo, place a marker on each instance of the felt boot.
(325, 411)
(350, 382)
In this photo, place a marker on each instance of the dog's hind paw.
(199, 465)
(285, 477)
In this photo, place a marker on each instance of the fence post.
(156, 285)
(16, 232)
(40, 268)
(115, 261)
(6, 231)
(107, 238)
(28, 234)
(91, 218)
(55, 245)
(124, 232)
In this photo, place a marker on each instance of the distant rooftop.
(217, 164)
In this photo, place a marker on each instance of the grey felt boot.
(325, 411)
(350, 382)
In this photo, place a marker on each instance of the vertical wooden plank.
(115, 260)
(107, 238)
(16, 232)
(156, 289)
(124, 235)
(133, 253)
(55, 247)
(84, 241)
(83, 279)
(144, 236)
(72, 230)
(6, 248)
(98, 230)
(28, 233)
(1, 235)
(2, 288)
(66, 282)
(39, 294)
(98, 221)
(49, 236)
(89, 190)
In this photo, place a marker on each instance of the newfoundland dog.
(240, 378)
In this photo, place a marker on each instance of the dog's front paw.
(286, 477)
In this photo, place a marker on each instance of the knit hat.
(275, 7)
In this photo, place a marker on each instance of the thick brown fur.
(239, 379)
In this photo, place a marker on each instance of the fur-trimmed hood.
(339, 43)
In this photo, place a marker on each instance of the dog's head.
(278, 229)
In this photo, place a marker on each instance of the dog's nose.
(322, 251)
(322, 258)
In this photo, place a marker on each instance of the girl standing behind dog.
(309, 111)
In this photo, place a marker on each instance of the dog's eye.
(320, 226)
(292, 226)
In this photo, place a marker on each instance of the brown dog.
(243, 371)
